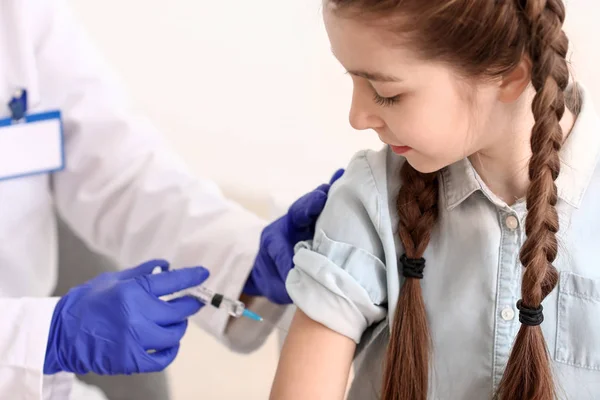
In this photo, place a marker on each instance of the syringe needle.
(249, 314)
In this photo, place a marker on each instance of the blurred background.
(250, 96)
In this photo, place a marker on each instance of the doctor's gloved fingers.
(337, 175)
(161, 359)
(304, 212)
(151, 336)
(283, 262)
(323, 188)
(173, 281)
(251, 287)
(173, 311)
(143, 269)
(275, 289)
(281, 297)
(326, 186)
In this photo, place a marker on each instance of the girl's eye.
(385, 101)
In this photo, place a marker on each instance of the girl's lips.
(400, 149)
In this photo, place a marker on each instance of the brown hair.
(481, 39)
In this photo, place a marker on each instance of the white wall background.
(246, 90)
(249, 94)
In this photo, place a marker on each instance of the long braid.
(528, 375)
(409, 346)
(481, 38)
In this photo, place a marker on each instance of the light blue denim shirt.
(348, 279)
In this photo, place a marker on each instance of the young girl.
(436, 254)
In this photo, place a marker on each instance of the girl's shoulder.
(360, 206)
(375, 173)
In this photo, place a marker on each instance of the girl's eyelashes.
(385, 101)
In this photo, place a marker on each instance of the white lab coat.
(122, 191)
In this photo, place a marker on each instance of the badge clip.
(18, 105)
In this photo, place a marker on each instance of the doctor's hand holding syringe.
(132, 321)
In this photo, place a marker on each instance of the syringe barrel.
(203, 294)
(233, 307)
(210, 298)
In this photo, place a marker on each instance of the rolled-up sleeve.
(339, 279)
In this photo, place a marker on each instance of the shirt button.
(512, 222)
(508, 314)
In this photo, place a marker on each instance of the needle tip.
(249, 314)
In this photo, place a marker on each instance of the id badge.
(32, 144)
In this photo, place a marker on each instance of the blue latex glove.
(108, 324)
(274, 260)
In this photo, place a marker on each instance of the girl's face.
(420, 108)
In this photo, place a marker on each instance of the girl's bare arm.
(315, 362)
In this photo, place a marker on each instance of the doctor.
(70, 143)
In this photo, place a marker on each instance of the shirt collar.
(579, 156)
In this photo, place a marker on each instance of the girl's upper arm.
(339, 279)
(340, 285)
(315, 362)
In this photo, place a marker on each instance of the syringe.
(235, 308)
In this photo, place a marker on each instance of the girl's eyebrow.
(372, 76)
(375, 76)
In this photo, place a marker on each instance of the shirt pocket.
(578, 331)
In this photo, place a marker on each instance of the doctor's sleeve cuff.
(338, 285)
(238, 334)
(230, 282)
(244, 335)
(23, 347)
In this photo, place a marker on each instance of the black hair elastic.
(530, 316)
(412, 267)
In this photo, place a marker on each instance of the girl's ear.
(515, 82)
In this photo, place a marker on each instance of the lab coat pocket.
(578, 331)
